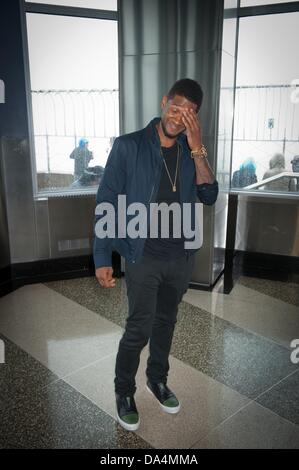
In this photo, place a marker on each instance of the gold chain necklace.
(173, 183)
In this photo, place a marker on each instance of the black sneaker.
(127, 414)
(167, 399)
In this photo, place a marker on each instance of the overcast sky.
(72, 53)
(68, 52)
(268, 49)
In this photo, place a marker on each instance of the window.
(266, 122)
(74, 86)
(226, 99)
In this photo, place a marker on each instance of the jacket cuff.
(102, 259)
(207, 192)
(204, 186)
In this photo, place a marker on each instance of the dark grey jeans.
(155, 288)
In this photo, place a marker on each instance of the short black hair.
(188, 88)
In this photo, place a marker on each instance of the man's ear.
(164, 101)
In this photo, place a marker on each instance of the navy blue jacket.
(134, 169)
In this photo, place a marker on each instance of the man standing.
(294, 182)
(82, 157)
(165, 162)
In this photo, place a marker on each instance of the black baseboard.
(265, 265)
(260, 265)
(18, 275)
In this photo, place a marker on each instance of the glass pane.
(74, 83)
(250, 3)
(226, 103)
(98, 4)
(266, 123)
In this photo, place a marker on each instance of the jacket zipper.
(149, 200)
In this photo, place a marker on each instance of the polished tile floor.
(230, 367)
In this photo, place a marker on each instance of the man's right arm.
(112, 184)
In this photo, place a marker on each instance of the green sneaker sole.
(128, 426)
(167, 409)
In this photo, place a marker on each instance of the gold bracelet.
(200, 152)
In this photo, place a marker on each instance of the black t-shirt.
(167, 248)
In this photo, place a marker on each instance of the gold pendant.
(174, 188)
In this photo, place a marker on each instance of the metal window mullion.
(64, 10)
(234, 95)
(272, 9)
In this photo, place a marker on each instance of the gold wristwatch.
(201, 152)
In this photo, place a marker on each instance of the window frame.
(242, 12)
(57, 10)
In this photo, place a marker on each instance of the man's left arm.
(206, 184)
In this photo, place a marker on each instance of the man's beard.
(170, 136)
